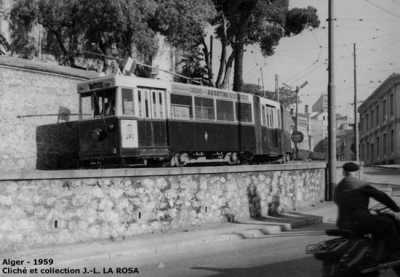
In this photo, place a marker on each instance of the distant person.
(352, 198)
(108, 108)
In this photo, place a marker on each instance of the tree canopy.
(76, 27)
(121, 28)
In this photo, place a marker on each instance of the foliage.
(118, 27)
(122, 28)
(184, 24)
(263, 22)
(286, 97)
(22, 19)
(193, 67)
(4, 45)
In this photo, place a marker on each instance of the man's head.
(349, 168)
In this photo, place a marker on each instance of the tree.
(22, 19)
(76, 27)
(265, 22)
(237, 23)
(184, 24)
(192, 66)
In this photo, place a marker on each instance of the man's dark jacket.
(352, 197)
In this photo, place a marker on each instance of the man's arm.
(381, 197)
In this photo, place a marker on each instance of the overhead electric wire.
(383, 9)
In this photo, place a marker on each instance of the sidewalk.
(152, 244)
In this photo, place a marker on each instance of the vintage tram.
(125, 120)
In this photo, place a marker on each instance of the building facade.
(321, 105)
(303, 125)
(380, 124)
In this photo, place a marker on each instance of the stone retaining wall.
(84, 205)
(32, 94)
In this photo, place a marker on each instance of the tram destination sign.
(297, 137)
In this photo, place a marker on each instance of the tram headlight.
(111, 127)
(98, 134)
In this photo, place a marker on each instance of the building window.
(366, 122)
(368, 151)
(392, 141)
(371, 121)
(391, 104)
(384, 144)
(377, 147)
(377, 114)
(372, 153)
(384, 110)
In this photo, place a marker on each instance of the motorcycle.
(354, 255)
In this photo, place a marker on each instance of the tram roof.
(130, 81)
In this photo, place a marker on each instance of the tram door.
(152, 108)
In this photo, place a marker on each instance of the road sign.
(297, 137)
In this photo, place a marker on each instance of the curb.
(153, 245)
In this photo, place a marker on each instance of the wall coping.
(143, 172)
(46, 68)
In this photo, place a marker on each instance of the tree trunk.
(222, 60)
(222, 63)
(228, 70)
(206, 54)
(238, 73)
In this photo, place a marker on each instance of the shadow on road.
(294, 268)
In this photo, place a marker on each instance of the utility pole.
(262, 80)
(277, 87)
(211, 54)
(356, 131)
(331, 105)
(296, 124)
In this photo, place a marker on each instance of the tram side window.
(160, 100)
(243, 111)
(278, 116)
(262, 115)
(139, 95)
(103, 103)
(225, 110)
(127, 102)
(204, 108)
(181, 106)
(267, 112)
(154, 102)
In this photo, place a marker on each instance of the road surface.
(267, 256)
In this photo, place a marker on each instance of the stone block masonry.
(41, 91)
(51, 208)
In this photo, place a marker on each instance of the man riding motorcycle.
(352, 198)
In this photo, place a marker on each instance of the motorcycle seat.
(340, 233)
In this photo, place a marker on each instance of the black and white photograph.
(200, 138)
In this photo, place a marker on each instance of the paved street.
(268, 256)
(382, 175)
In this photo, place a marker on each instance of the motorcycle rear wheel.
(329, 270)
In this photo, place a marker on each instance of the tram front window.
(98, 103)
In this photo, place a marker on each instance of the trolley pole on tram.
(331, 106)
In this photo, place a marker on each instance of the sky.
(372, 24)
